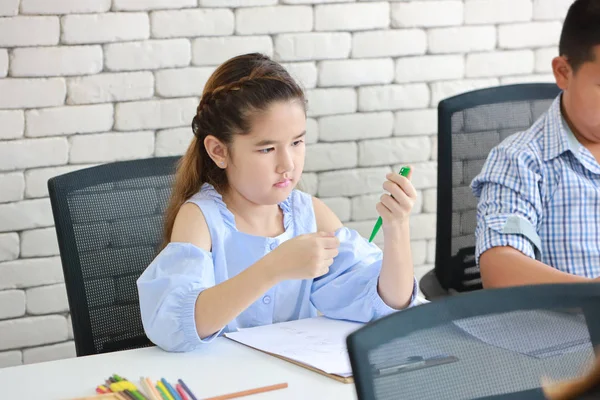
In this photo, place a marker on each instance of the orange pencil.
(249, 392)
(152, 388)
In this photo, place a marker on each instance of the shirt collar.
(558, 136)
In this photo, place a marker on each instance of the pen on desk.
(249, 392)
(404, 172)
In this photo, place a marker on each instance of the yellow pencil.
(164, 390)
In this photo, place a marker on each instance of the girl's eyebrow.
(267, 142)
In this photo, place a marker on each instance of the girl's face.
(265, 165)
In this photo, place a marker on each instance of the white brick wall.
(152, 54)
(497, 11)
(357, 17)
(30, 272)
(500, 63)
(355, 126)
(64, 6)
(3, 63)
(9, 8)
(415, 122)
(462, 39)
(427, 13)
(29, 153)
(9, 246)
(13, 186)
(48, 353)
(12, 304)
(177, 23)
(56, 61)
(356, 72)
(429, 68)
(39, 243)
(84, 82)
(526, 35)
(32, 93)
(111, 146)
(253, 21)
(330, 156)
(104, 28)
(382, 43)
(393, 97)
(12, 123)
(32, 331)
(47, 299)
(69, 120)
(312, 46)
(182, 82)
(129, 5)
(550, 9)
(106, 88)
(155, 114)
(214, 51)
(29, 31)
(331, 101)
(171, 142)
(36, 180)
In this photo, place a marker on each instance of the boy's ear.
(563, 72)
(216, 150)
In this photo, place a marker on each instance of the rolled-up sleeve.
(349, 290)
(168, 290)
(509, 207)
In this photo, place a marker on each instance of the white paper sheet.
(319, 342)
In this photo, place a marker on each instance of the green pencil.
(404, 172)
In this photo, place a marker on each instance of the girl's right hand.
(303, 257)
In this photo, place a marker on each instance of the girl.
(242, 247)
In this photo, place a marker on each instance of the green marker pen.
(404, 172)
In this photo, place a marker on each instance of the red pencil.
(181, 392)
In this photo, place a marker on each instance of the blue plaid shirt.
(539, 192)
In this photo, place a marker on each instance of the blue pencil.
(187, 389)
(171, 390)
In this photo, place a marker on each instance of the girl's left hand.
(394, 208)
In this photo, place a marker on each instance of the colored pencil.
(249, 392)
(187, 389)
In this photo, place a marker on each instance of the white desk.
(221, 367)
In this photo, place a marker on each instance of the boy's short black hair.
(581, 32)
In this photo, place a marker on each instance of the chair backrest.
(469, 126)
(485, 344)
(109, 224)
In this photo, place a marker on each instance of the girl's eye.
(266, 151)
(297, 142)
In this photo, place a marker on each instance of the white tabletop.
(221, 367)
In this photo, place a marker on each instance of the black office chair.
(469, 126)
(109, 223)
(486, 344)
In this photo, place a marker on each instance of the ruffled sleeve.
(168, 290)
(349, 290)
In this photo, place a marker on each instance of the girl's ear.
(216, 150)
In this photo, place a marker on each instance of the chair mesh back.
(470, 126)
(478, 345)
(109, 221)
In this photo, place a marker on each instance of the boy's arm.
(504, 266)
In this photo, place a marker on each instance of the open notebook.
(318, 344)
